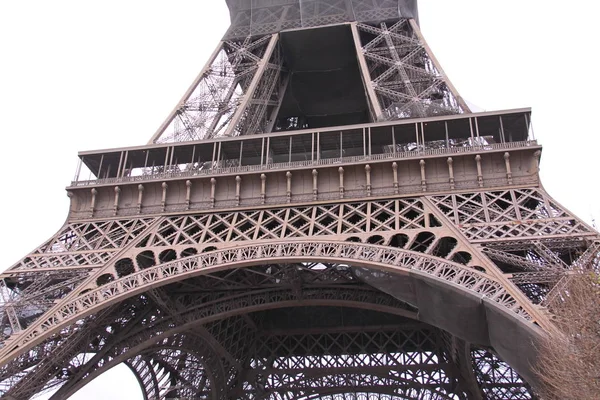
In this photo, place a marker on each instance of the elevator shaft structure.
(320, 217)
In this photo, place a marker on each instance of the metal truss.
(176, 352)
(408, 224)
(408, 81)
(496, 379)
(400, 233)
(332, 294)
(235, 93)
(496, 220)
(240, 90)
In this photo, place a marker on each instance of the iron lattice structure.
(325, 221)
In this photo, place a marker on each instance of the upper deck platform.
(402, 139)
(260, 17)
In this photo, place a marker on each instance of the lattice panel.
(297, 222)
(404, 76)
(509, 214)
(228, 333)
(92, 236)
(212, 106)
(497, 379)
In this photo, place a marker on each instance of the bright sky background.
(84, 75)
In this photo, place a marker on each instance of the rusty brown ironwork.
(274, 241)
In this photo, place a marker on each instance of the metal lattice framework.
(232, 95)
(424, 267)
(406, 77)
(423, 235)
(240, 90)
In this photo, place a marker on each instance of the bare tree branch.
(569, 362)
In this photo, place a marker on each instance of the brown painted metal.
(382, 260)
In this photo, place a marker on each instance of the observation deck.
(409, 156)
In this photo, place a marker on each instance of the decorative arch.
(260, 300)
(460, 281)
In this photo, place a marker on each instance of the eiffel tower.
(320, 217)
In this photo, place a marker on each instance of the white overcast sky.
(89, 74)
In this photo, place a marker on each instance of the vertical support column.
(395, 171)
(238, 187)
(451, 172)
(471, 130)
(116, 204)
(315, 175)
(166, 160)
(117, 175)
(140, 198)
(267, 152)
(288, 176)
(368, 176)
(99, 176)
(262, 66)
(124, 164)
(508, 169)
(341, 172)
(263, 188)
(479, 173)
(163, 201)
(318, 146)
(417, 139)
(447, 135)
(93, 202)
(213, 186)
(188, 193)
(364, 69)
(370, 142)
(194, 157)
(423, 177)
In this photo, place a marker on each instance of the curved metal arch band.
(149, 342)
(361, 255)
(156, 387)
(71, 390)
(75, 388)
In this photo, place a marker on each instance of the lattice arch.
(176, 337)
(379, 257)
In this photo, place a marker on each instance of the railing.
(308, 163)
